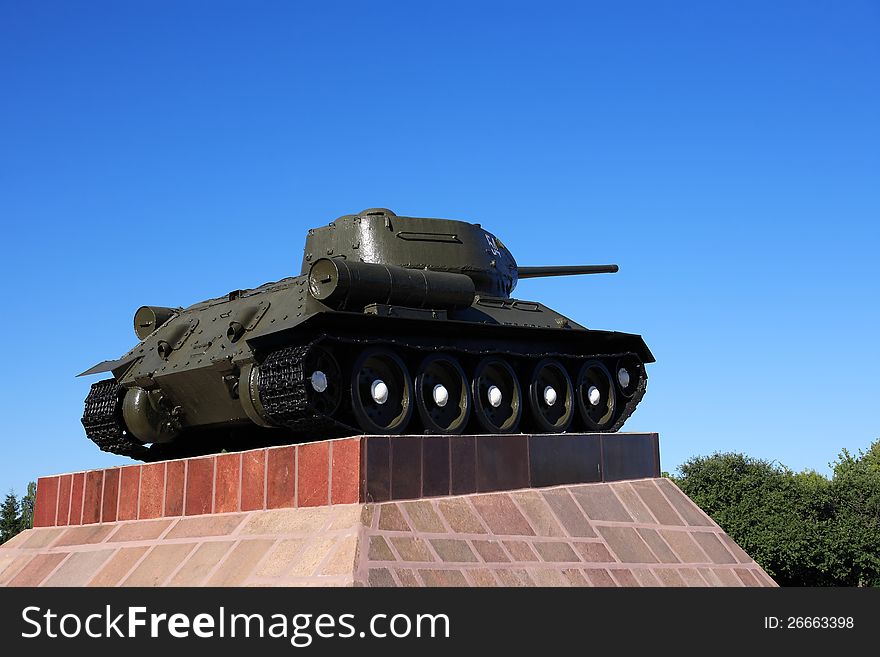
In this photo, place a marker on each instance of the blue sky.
(726, 155)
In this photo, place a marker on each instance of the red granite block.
(110, 495)
(658, 546)
(564, 459)
(735, 549)
(280, 477)
(379, 550)
(92, 495)
(569, 513)
(490, 551)
(462, 464)
(600, 503)
(691, 577)
(599, 577)
(129, 482)
(392, 519)
(502, 462)
(152, 491)
(633, 503)
(552, 551)
(624, 577)
(683, 546)
(380, 577)
(411, 549)
(627, 545)
(64, 489)
(199, 486)
(84, 535)
(377, 468)
(38, 568)
(727, 577)
(575, 577)
(668, 577)
(175, 482)
(594, 552)
(713, 547)
(423, 517)
(46, 503)
(345, 477)
(406, 577)
(645, 577)
(406, 467)
(692, 514)
(501, 515)
(453, 578)
(313, 474)
(548, 577)
(459, 516)
(514, 577)
(226, 483)
(453, 550)
(253, 480)
(435, 466)
(764, 578)
(76, 498)
(654, 500)
(629, 456)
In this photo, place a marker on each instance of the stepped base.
(569, 510)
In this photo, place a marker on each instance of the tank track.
(284, 395)
(631, 404)
(102, 420)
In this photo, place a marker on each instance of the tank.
(394, 325)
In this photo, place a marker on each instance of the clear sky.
(725, 154)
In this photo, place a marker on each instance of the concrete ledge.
(344, 471)
(643, 532)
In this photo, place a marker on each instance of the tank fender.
(119, 367)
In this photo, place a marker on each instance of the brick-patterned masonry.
(630, 533)
(343, 471)
(523, 510)
(281, 477)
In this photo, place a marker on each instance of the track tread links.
(284, 395)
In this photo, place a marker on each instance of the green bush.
(802, 528)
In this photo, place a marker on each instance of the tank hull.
(209, 392)
(365, 346)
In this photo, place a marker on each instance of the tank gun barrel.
(541, 272)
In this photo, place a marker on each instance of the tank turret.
(395, 324)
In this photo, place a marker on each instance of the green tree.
(9, 518)
(755, 501)
(802, 528)
(27, 506)
(854, 536)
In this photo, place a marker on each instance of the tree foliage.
(802, 528)
(15, 516)
(10, 521)
(27, 507)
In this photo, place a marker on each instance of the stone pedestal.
(521, 510)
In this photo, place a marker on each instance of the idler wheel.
(323, 380)
(381, 392)
(150, 416)
(551, 396)
(442, 395)
(628, 373)
(497, 396)
(596, 396)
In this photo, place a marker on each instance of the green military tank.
(395, 325)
